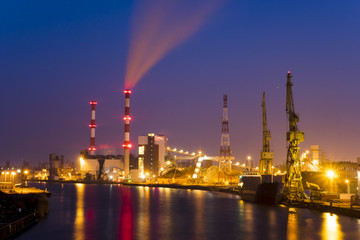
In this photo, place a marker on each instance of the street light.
(331, 175)
(7, 173)
(347, 185)
(13, 174)
(249, 159)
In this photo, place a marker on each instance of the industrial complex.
(306, 174)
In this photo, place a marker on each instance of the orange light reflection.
(79, 233)
(331, 228)
(292, 225)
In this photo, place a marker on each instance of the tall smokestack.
(92, 126)
(127, 145)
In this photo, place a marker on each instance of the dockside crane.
(266, 161)
(293, 189)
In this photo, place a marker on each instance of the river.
(90, 211)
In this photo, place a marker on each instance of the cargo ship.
(265, 189)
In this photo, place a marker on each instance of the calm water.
(79, 211)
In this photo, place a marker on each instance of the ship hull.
(256, 189)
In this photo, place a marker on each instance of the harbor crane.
(266, 161)
(293, 189)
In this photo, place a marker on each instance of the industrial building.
(346, 174)
(101, 166)
(151, 155)
(55, 164)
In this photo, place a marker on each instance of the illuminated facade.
(345, 176)
(100, 165)
(151, 151)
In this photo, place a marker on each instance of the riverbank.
(339, 208)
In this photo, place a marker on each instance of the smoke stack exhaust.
(92, 126)
(127, 145)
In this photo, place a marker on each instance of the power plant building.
(100, 165)
(151, 155)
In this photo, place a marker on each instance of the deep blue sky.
(56, 56)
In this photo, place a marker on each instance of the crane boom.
(293, 189)
(266, 161)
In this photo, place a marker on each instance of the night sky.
(56, 56)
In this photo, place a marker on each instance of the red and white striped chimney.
(127, 145)
(92, 126)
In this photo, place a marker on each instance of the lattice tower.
(225, 152)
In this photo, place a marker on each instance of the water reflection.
(143, 219)
(121, 212)
(79, 228)
(126, 224)
(199, 215)
(292, 225)
(331, 228)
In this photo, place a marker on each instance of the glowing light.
(248, 157)
(141, 150)
(128, 145)
(92, 125)
(92, 148)
(346, 181)
(127, 91)
(194, 175)
(19, 171)
(127, 118)
(237, 164)
(13, 173)
(161, 169)
(330, 174)
(93, 102)
(168, 162)
(197, 170)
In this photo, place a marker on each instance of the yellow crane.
(293, 189)
(266, 161)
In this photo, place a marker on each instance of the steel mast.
(225, 152)
(293, 189)
(266, 161)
